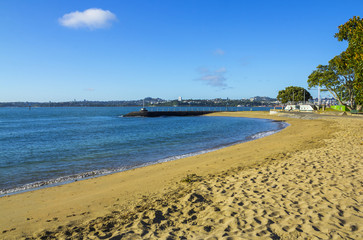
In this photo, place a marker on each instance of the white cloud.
(92, 18)
(214, 78)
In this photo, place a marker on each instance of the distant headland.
(154, 102)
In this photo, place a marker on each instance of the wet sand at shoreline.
(302, 182)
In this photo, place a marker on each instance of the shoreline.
(56, 211)
(33, 186)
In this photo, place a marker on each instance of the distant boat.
(143, 109)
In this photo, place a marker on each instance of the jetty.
(145, 113)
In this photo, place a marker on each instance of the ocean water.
(45, 146)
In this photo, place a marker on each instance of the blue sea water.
(45, 146)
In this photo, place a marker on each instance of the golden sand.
(302, 182)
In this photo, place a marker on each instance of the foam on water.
(267, 133)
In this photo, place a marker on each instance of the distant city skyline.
(126, 50)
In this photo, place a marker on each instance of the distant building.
(261, 99)
(180, 99)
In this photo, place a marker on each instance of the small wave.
(59, 181)
(168, 159)
(262, 134)
(282, 125)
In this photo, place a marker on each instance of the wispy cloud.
(221, 70)
(214, 78)
(219, 52)
(92, 18)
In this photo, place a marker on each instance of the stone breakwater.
(166, 113)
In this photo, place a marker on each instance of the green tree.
(352, 58)
(352, 31)
(293, 94)
(339, 82)
(343, 77)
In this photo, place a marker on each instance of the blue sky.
(62, 50)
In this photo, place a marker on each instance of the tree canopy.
(352, 57)
(293, 94)
(343, 76)
(337, 81)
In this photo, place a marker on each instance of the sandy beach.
(304, 182)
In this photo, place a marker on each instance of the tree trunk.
(336, 96)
